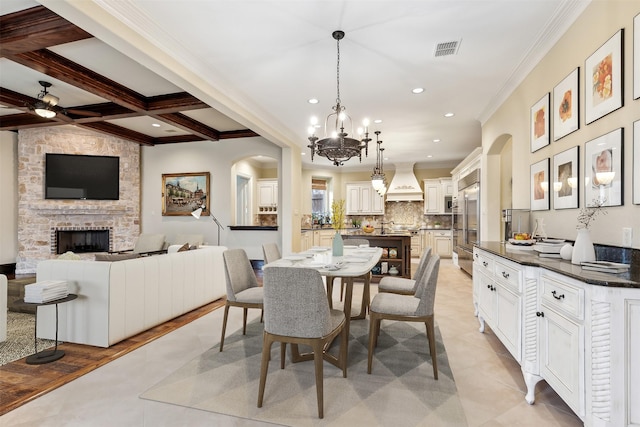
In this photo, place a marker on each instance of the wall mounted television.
(81, 177)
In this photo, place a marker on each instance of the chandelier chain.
(338, 72)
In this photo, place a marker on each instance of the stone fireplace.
(39, 219)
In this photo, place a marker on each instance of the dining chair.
(408, 308)
(403, 285)
(242, 287)
(366, 278)
(271, 252)
(296, 311)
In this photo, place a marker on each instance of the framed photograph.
(182, 193)
(566, 110)
(540, 123)
(603, 74)
(565, 179)
(636, 57)
(603, 174)
(540, 185)
(636, 162)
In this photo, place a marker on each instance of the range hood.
(404, 186)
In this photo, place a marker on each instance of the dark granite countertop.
(630, 279)
(254, 227)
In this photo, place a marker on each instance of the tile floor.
(489, 381)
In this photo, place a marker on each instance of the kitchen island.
(578, 330)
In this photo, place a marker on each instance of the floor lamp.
(198, 212)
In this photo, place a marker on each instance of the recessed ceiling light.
(436, 140)
(377, 121)
(429, 156)
(155, 125)
(303, 153)
(313, 101)
(418, 90)
(449, 115)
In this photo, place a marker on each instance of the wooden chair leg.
(224, 325)
(264, 366)
(283, 353)
(374, 323)
(318, 361)
(341, 289)
(431, 337)
(329, 280)
(244, 320)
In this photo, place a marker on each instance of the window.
(320, 198)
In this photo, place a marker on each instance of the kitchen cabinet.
(306, 240)
(267, 196)
(439, 241)
(581, 338)
(323, 237)
(416, 246)
(396, 252)
(561, 343)
(362, 199)
(435, 191)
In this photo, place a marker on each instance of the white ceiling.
(259, 62)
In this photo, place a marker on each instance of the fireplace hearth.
(81, 240)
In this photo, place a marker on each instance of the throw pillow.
(184, 247)
(115, 257)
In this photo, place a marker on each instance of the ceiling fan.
(46, 105)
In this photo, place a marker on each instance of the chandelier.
(378, 179)
(336, 145)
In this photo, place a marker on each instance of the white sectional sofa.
(117, 300)
(3, 308)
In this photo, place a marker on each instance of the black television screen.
(76, 176)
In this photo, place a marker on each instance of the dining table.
(355, 261)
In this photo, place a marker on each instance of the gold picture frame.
(183, 193)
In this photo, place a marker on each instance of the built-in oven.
(448, 204)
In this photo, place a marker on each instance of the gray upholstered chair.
(296, 311)
(366, 278)
(408, 308)
(271, 252)
(242, 287)
(402, 285)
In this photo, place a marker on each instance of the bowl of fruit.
(368, 229)
(523, 239)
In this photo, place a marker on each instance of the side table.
(45, 356)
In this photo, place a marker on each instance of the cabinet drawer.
(484, 262)
(508, 275)
(563, 297)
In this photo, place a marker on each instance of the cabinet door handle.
(485, 263)
(556, 296)
(488, 286)
(505, 275)
(540, 313)
(476, 255)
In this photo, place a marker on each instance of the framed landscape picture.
(182, 193)
(603, 76)
(540, 123)
(636, 162)
(540, 185)
(565, 179)
(566, 116)
(603, 173)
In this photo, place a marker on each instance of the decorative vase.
(338, 245)
(583, 248)
(538, 230)
(393, 271)
(566, 252)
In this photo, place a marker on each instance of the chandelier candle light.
(336, 145)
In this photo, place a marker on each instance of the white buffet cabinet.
(583, 339)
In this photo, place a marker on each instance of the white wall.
(600, 21)
(9, 197)
(216, 158)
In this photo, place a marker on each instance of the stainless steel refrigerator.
(466, 219)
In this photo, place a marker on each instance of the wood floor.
(21, 383)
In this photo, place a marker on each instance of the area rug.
(400, 391)
(19, 343)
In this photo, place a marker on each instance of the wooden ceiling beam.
(36, 28)
(174, 103)
(190, 125)
(62, 69)
(242, 133)
(119, 131)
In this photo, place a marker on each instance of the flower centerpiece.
(337, 221)
(583, 249)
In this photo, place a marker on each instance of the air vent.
(447, 48)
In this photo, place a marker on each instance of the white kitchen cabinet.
(323, 237)
(306, 240)
(267, 196)
(441, 242)
(447, 186)
(362, 199)
(433, 199)
(416, 246)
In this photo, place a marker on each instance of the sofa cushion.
(116, 257)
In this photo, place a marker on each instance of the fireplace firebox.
(82, 241)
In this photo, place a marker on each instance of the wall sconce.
(557, 186)
(604, 178)
(544, 186)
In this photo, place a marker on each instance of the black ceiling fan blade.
(86, 113)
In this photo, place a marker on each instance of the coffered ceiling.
(221, 70)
